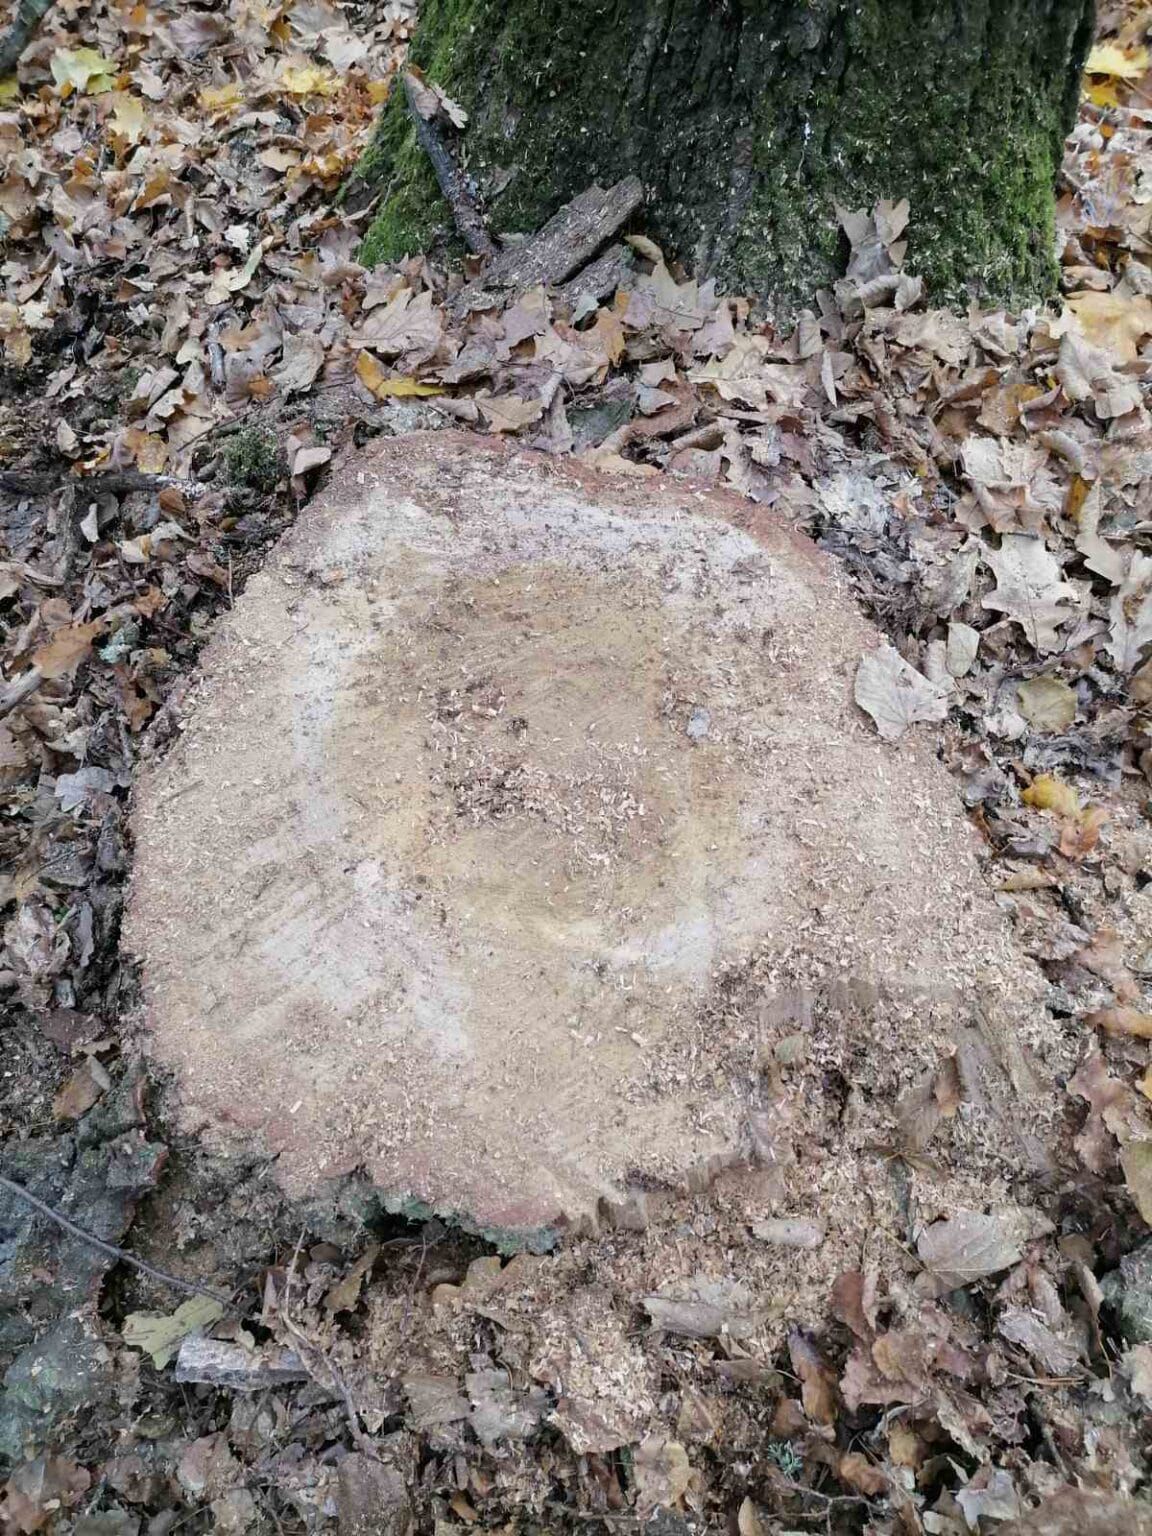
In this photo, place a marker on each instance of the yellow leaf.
(1048, 793)
(83, 69)
(378, 92)
(161, 1336)
(221, 98)
(310, 80)
(128, 119)
(1145, 1084)
(9, 88)
(369, 371)
(373, 377)
(403, 386)
(1121, 63)
(1103, 93)
(151, 453)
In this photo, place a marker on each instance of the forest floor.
(187, 342)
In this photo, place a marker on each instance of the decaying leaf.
(1029, 589)
(972, 1244)
(1131, 615)
(818, 1382)
(1047, 703)
(895, 694)
(662, 1472)
(160, 1335)
(1123, 1020)
(1048, 793)
(60, 656)
(39, 1490)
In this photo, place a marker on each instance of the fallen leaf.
(662, 1472)
(858, 1472)
(344, 1295)
(309, 458)
(1112, 59)
(1048, 793)
(508, 413)
(970, 1245)
(309, 80)
(818, 1383)
(990, 1495)
(1137, 1363)
(128, 117)
(83, 69)
(1057, 1355)
(1029, 589)
(1136, 1161)
(1131, 615)
(895, 694)
(38, 1490)
(81, 1091)
(68, 647)
(1116, 322)
(1047, 703)
(160, 1335)
(1122, 1020)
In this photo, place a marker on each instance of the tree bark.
(749, 120)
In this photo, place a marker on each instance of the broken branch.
(453, 183)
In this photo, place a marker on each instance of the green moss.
(254, 458)
(749, 124)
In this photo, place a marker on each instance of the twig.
(28, 16)
(319, 1364)
(114, 482)
(16, 692)
(113, 1252)
(469, 220)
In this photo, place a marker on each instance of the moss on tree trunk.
(748, 120)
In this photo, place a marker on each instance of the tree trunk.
(748, 120)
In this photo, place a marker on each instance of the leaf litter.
(188, 338)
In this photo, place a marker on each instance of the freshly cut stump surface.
(520, 814)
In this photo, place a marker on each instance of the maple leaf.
(1029, 589)
(83, 69)
(895, 694)
(1121, 63)
(1130, 614)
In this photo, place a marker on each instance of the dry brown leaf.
(895, 694)
(858, 1472)
(971, 1244)
(508, 413)
(818, 1383)
(86, 1085)
(1116, 322)
(1123, 1020)
(68, 647)
(1029, 589)
(1131, 614)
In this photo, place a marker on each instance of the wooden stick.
(188, 1286)
(113, 482)
(453, 184)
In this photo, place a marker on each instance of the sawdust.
(524, 849)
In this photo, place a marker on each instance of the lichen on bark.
(748, 120)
